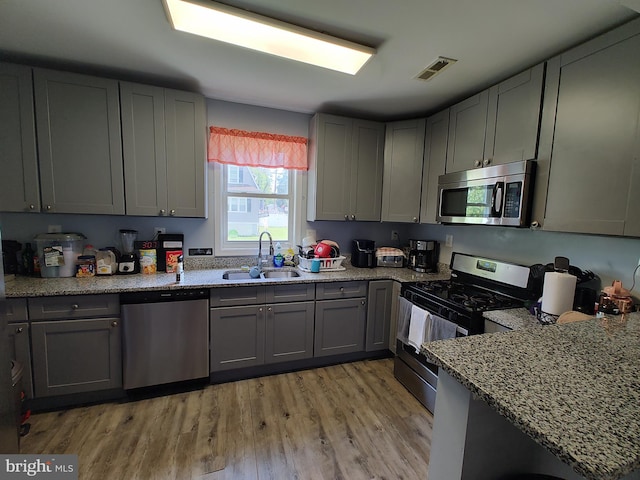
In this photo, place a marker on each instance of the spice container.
(86, 266)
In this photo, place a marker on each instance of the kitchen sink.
(234, 275)
(244, 275)
(280, 274)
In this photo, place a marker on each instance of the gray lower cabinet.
(20, 186)
(73, 356)
(403, 160)
(340, 326)
(257, 325)
(379, 309)
(163, 134)
(79, 143)
(76, 344)
(592, 146)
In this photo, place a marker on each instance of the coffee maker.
(423, 256)
(129, 262)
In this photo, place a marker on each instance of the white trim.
(297, 209)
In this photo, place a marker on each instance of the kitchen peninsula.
(558, 400)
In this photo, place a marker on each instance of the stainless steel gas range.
(477, 284)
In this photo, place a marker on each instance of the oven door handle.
(462, 331)
(496, 199)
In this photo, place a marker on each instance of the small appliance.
(363, 253)
(423, 256)
(497, 195)
(129, 262)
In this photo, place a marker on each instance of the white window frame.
(297, 213)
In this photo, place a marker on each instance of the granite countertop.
(513, 318)
(573, 388)
(200, 278)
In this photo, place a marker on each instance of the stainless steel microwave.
(497, 195)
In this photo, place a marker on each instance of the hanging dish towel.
(417, 327)
(404, 320)
(437, 328)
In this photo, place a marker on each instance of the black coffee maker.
(423, 256)
(10, 251)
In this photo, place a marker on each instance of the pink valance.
(257, 149)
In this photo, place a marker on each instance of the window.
(258, 179)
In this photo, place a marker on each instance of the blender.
(129, 262)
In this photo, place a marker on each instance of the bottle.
(278, 258)
(27, 259)
(180, 269)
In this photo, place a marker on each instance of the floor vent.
(436, 67)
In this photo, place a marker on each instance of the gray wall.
(610, 257)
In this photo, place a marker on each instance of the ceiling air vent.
(436, 67)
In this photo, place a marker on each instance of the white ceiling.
(492, 39)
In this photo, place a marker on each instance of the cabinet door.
(20, 351)
(186, 158)
(19, 186)
(467, 130)
(403, 160)
(340, 326)
(330, 167)
(79, 143)
(144, 150)
(595, 161)
(435, 159)
(513, 118)
(73, 356)
(378, 315)
(289, 332)
(367, 166)
(237, 337)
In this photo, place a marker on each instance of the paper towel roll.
(558, 292)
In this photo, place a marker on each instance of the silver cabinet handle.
(49, 207)
(346, 217)
(353, 217)
(260, 309)
(341, 289)
(362, 302)
(19, 330)
(269, 309)
(172, 212)
(114, 323)
(75, 306)
(162, 211)
(477, 163)
(32, 207)
(415, 219)
(486, 162)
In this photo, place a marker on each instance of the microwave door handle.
(496, 199)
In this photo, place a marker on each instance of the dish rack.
(326, 264)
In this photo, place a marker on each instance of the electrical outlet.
(449, 240)
(158, 230)
(394, 235)
(54, 229)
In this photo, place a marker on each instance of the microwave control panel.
(512, 199)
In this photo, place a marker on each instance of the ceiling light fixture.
(246, 29)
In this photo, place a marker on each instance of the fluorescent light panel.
(231, 25)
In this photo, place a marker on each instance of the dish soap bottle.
(278, 258)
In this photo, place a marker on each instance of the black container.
(363, 253)
(585, 300)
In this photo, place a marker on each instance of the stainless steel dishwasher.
(165, 336)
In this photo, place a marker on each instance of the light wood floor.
(350, 421)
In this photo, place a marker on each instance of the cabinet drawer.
(14, 310)
(237, 296)
(300, 292)
(329, 291)
(74, 306)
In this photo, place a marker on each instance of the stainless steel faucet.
(260, 260)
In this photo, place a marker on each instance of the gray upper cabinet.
(594, 154)
(498, 125)
(403, 160)
(79, 143)
(163, 135)
(345, 169)
(19, 190)
(435, 159)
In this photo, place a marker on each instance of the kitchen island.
(558, 399)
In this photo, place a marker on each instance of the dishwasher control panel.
(163, 296)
